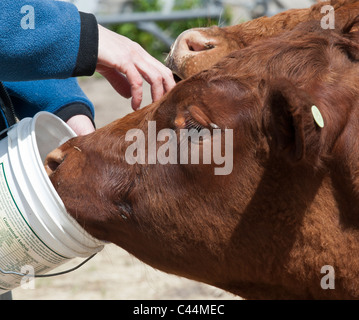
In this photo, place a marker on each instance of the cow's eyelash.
(193, 124)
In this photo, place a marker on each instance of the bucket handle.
(3, 133)
(47, 275)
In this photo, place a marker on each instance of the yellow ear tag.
(318, 118)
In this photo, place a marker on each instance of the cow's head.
(266, 227)
(198, 49)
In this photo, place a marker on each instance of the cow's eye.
(196, 133)
(193, 124)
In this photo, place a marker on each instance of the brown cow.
(200, 48)
(288, 209)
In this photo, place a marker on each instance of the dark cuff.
(70, 110)
(88, 50)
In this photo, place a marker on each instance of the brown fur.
(200, 48)
(290, 205)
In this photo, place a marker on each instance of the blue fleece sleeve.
(62, 97)
(39, 39)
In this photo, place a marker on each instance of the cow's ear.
(293, 123)
(350, 24)
(349, 43)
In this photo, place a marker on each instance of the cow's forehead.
(234, 83)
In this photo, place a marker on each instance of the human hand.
(124, 62)
(81, 124)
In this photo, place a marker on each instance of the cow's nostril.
(53, 160)
(176, 78)
(197, 46)
(52, 165)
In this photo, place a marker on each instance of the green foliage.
(149, 42)
(146, 5)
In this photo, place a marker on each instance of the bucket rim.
(96, 242)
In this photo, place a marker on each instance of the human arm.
(57, 48)
(65, 43)
(64, 98)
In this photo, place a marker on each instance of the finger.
(118, 81)
(153, 77)
(168, 81)
(167, 74)
(135, 81)
(157, 90)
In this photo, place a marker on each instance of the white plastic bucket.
(35, 229)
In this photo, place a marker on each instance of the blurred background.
(155, 24)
